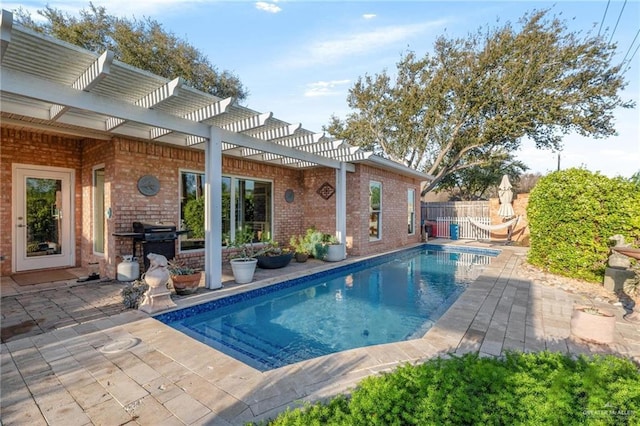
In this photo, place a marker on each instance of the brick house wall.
(125, 161)
(394, 233)
(321, 213)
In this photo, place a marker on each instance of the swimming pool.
(385, 299)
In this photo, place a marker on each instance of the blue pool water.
(382, 300)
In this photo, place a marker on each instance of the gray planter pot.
(335, 253)
(274, 262)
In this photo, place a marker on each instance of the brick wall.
(394, 233)
(125, 161)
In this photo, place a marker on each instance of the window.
(246, 203)
(411, 211)
(192, 210)
(375, 210)
(252, 207)
(99, 213)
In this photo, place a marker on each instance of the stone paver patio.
(88, 361)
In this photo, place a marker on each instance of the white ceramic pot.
(243, 270)
(335, 253)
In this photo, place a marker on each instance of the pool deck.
(71, 355)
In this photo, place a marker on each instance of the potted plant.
(335, 249)
(593, 324)
(316, 243)
(301, 247)
(185, 280)
(243, 260)
(272, 256)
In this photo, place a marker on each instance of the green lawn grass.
(520, 389)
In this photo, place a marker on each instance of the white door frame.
(20, 261)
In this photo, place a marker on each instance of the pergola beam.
(30, 86)
(6, 24)
(98, 70)
(243, 125)
(276, 132)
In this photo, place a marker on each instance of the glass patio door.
(42, 217)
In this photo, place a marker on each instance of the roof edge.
(396, 167)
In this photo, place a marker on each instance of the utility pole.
(558, 161)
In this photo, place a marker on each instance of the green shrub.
(529, 389)
(573, 213)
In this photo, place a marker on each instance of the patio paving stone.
(54, 370)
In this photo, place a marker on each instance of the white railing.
(467, 231)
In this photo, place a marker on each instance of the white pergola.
(52, 85)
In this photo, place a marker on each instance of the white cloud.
(369, 15)
(268, 7)
(350, 45)
(325, 88)
(121, 8)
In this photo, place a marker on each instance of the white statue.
(158, 297)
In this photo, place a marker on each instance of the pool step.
(242, 343)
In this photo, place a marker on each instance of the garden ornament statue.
(158, 297)
(617, 260)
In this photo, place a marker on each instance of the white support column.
(213, 210)
(341, 206)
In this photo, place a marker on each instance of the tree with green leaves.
(471, 102)
(481, 182)
(143, 44)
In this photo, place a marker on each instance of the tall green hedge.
(573, 213)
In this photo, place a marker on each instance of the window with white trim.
(411, 211)
(375, 210)
(246, 204)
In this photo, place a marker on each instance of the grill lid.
(150, 228)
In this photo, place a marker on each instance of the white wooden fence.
(467, 231)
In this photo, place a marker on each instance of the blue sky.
(298, 59)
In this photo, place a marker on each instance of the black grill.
(158, 238)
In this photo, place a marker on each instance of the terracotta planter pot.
(186, 284)
(302, 257)
(593, 327)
